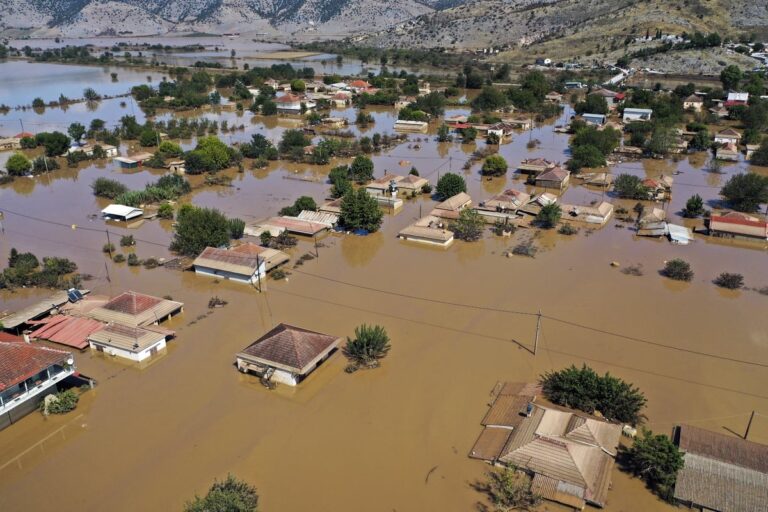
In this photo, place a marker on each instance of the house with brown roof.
(729, 135)
(569, 454)
(136, 310)
(430, 230)
(591, 214)
(728, 152)
(133, 343)
(721, 472)
(451, 207)
(693, 102)
(246, 263)
(535, 165)
(412, 183)
(556, 178)
(738, 225)
(286, 354)
(27, 374)
(503, 206)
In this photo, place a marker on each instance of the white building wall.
(231, 276)
(127, 354)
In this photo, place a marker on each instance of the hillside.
(75, 18)
(499, 23)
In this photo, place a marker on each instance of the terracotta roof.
(739, 218)
(135, 309)
(726, 448)
(291, 348)
(362, 84)
(554, 174)
(729, 132)
(288, 98)
(20, 361)
(693, 99)
(455, 202)
(237, 262)
(10, 338)
(134, 339)
(72, 331)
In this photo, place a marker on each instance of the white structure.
(594, 119)
(230, 265)
(737, 97)
(121, 212)
(637, 114)
(411, 126)
(133, 343)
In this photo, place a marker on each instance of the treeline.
(437, 57)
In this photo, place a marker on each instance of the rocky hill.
(143, 17)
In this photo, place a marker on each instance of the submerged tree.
(657, 460)
(370, 344)
(509, 490)
(469, 226)
(229, 495)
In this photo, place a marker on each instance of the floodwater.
(394, 438)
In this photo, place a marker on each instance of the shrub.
(231, 495)
(105, 187)
(657, 460)
(165, 211)
(525, 249)
(694, 207)
(729, 281)
(301, 204)
(133, 260)
(450, 184)
(549, 216)
(370, 344)
(151, 263)
(426, 188)
(678, 269)
(62, 403)
(494, 165)
(628, 186)
(118, 258)
(509, 490)
(583, 389)
(18, 165)
(585, 156)
(127, 241)
(469, 226)
(236, 228)
(108, 248)
(567, 229)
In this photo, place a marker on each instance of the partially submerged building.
(535, 165)
(27, 374)
(556, 178)
(135, 309)
(121, 213)
(721, 472)
(570, 455)
(591, 214)
(738, 225)
(286, 354)
(246, 263)
(428, 230)
(503, 206)
(411, 126)
(452, 207)
(133, 343)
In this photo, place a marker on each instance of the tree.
(694, 207)
(291, 140)
(443, 133)
(359, 210)
(168, 149)
(746, 192)
(18, 165)
(55, 143)
(370, 344)
(38, 103)
(269, 108)
(657, 460)
(628, 186)
(509, 490)
(755, 117)
(583, 389)
(90, 95)
(449, 185)
(494, 165)
(148, 138)
(298, 85)
(760, 157)
(585, 156)
(469, 226)
(361, 169)
(198, 228)
(490, 98)
(549, 216)
(105, 187)
(730, 77)
(493, 139)
(259, 146)
(662, 140)
(677, 269)
(605, 140)
(76, 131)
(592, 104)
(301, 204)
(729, 280)
(230, 495)
(210, 155)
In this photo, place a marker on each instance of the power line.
(548, 317)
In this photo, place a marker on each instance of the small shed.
(121, 212)
(594, 119)
(637, 114)
(286, 354)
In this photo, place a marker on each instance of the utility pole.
(22, 126)
(258, 271)
(538, 329)
(109, 244)
(749, 425)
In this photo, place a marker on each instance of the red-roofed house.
(290, 103)
(360, 86)
(286, 354)
(737, 224)
(72, 331)
(27, 374)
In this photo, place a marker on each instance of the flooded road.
(460, 320)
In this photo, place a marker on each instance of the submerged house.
(721, 472)
(451, 207)
(411, 126)
(503, 206)
(133, 343)
(729, 135)
(27, 374)
(136, 310)
(738, 225)
(286, 354)
(597, 214)
(428, 230)
(246, 263)
(728, 152)
(121, 212)
(535, 165)
(556, 178)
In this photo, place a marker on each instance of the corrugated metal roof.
(726, 448)
(228, 261)
(35, 310)
(506, 411)
(72, 331)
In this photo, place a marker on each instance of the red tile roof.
(741, 219)
(131, 303)
(20, 361)
(362, 84)
(291, 346)
(68, 330)
(10, 338)
(248, 248)
(288, 98)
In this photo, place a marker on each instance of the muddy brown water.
(395, 438)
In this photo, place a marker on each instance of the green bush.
(694, 207)
(469, 226)
(231, 495)
(198, 228)
(729, 281)
(678, 269)
(494, 165)
(359, 210)
(118, 258)
(133, 260)
(165, 211)
(105, 187)
(65, 401)
(370, 344)
(450, 184)
(127, 241)
(549, 216)
(18, 165)
(583, 389)
(657, 460)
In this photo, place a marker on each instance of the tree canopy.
(494, 165)
(230, 495)
(449, 185)
(746, 192)
(359, 210)
(657, 460)
(198, 228)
